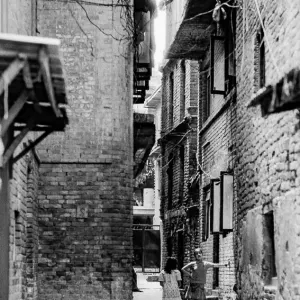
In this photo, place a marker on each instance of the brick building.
(179, 212)
(267, 172)
(209, 142)
(70, 205)
(246, 166)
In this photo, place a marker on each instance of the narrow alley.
(149, 289)
(157, 139)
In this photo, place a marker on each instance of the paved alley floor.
(150, 290)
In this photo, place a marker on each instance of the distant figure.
(197, 272)
(170, 279)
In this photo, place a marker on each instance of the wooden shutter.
(217, 64)
(215, 197)
(226, 201)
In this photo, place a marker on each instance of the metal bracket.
(32, 144)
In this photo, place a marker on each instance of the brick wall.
(215, 135)
(180, 233)
(23, 229)
(85, 191)
(20, 19)
(268, 153)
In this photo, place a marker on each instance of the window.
(171, 97)
(226, 202)
(16, 237)
(269, 267)
(217, 67)
(180, 249)
(259, 60)
(181, 182)
(215, 196)
(262, 62)
(216, 259)
(206, 214)
(223, 57)
(182, 98)
(207, 103)
(230, 30)
(170, 181)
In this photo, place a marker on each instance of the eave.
(192, 37)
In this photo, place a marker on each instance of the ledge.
(282, 96)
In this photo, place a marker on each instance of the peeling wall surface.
(267, 168)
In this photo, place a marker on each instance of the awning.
(32, 90)
(193, 35)
(282, 96)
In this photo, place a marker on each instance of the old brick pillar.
(85, 192)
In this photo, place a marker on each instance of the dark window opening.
(171, 97)
(180, 249)
(183, 75)
(17, 235)
(195, 193)
(230, 45)
(170, 181)
(216, 259)
(269, 266)
(207, 212)
(262, 61)
(181, 182)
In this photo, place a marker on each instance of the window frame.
(224, 227)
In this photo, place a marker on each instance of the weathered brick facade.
(267, 167)
(18, 17)
(85, 191)
(178, 144)
(70, 228)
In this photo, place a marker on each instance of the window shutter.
(217, 64)
(215, 196)
(226, 201)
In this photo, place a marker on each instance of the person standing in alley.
(170, 279)
(197, 270)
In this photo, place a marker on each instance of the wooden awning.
(32, 90)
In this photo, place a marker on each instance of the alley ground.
(150, 290)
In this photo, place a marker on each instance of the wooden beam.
(13, 112)
(11, 72)
(32, 145)
(45, 69)
(17, 140)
